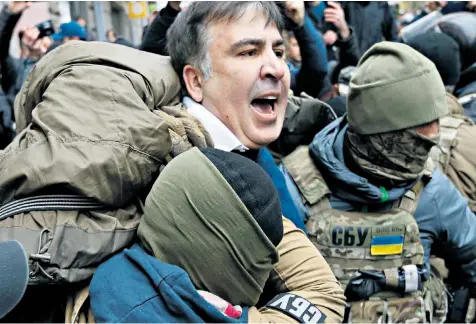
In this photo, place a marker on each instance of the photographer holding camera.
(34, 43)
(32, 48)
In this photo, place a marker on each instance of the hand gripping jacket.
(378, 252)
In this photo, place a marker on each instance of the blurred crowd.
(323, 39)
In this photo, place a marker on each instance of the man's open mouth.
(265, 105)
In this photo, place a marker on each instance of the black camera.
(46, 28)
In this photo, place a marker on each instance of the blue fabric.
(135, 287)
(318, 10)
(443, 216)
(290, 211)
(70, 29)
(387, 240)
(294, 192)
(311, 77)
(294, 68)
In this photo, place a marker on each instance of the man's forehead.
(252, 24)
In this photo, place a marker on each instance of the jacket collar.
(222, 137)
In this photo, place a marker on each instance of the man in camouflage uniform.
(376, 204)
(455, 154)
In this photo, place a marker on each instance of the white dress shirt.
(222, 137)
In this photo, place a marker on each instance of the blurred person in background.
(112, 37)
(372, 21)
(345, 39)
(429, 7)
(443, 51)
(341, 87)
(80, 20)
(155, 36)
(32, 48)
(308, 57)
(315, 11)
(341, 45)
(151, 18)
(446, 7)
(13, 70)
(69, 31)
(461, 26)
(34, 44)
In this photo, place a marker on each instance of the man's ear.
(193, 79)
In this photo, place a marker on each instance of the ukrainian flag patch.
(386, 245)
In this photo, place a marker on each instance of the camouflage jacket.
(441, 213)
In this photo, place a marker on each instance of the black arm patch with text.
(297, 307)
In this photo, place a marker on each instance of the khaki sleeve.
(302, 271)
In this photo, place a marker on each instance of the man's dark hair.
(188, 40)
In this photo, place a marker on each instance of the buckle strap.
(409, 200)
(48, 203)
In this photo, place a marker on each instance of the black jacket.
(155, 38)
(372, 22)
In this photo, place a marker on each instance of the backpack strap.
(449, 126)
(49, 202)
(454, 105)
(305, 174)
(409, 201)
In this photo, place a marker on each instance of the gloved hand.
(185, 130)
(222, 305)
(305, 117)
(362, 287)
